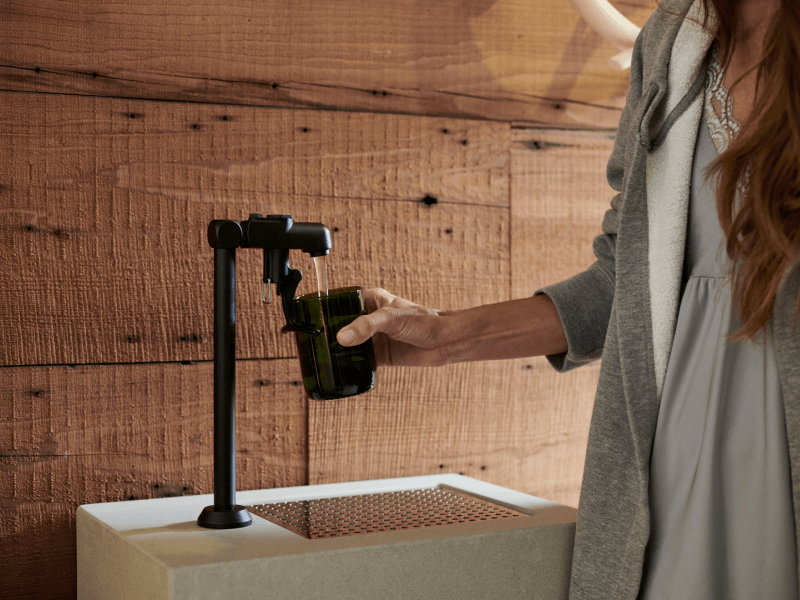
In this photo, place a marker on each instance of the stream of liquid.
(321, 264)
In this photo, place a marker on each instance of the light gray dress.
(722, 521)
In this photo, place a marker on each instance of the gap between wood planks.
(362, 100)
(146, 362)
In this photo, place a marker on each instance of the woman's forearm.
(513, 329)
(407, 334)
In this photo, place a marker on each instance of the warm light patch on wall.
(548, 49)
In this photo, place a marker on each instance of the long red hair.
(762, 227)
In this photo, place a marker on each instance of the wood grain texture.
(106, 205)
(512, 423)
(77, 435)
(509, 60)
(559, 194)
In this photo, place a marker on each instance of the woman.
(691, 486)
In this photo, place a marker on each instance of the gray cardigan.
(625, 306)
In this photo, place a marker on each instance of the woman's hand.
(407, 334)
(403, 333)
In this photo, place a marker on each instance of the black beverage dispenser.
(329, 370)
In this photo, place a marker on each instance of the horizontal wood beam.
(510, 60)
(497, 105)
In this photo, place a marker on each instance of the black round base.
(224, 519)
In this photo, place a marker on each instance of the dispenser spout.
(276, 235)
(280, 232)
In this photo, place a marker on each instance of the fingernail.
(346, 336)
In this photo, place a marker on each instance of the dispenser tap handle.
(265, 300)
(286, 290)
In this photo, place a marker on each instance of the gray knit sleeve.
(584, 301)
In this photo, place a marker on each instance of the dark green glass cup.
(330, 370)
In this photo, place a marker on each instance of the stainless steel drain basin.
(389, 511)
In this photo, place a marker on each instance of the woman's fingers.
(383, 320)
(363, 328)
(358, 332)
(376, 298)
(403, 333)
(395, 317)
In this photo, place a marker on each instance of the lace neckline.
(718, 105)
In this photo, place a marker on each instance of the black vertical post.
(225, 513)
(224, 379)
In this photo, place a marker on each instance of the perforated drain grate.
(390, 511)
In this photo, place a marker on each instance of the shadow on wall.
(525, 51)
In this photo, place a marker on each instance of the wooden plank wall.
(126, 127)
